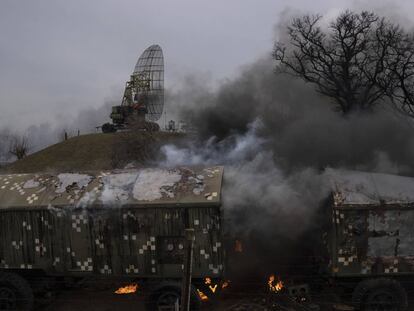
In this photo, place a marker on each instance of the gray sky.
(58, 57)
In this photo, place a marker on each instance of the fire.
(212, 287)
(129, 289)
(238, 247)
(202, 296)
(274, 286)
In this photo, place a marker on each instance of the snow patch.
(117, 187)
(87, 199)
(66, 180)
(151, 184)
(354, 187)
(31, 184)
(120, 180)
(199, 184)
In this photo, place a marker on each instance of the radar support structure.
(143, 100)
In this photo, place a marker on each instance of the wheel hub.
(167, 299)
(381, 301)
(8, 300)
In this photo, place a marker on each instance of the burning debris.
(238, 246)
(275, 285)
(203, 296)
(225, 284)
(129, 289)
(211, 286)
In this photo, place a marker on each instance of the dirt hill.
(95, 152)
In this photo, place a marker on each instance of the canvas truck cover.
(128, 222)
(373, 223)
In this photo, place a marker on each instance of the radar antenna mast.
(143, 99)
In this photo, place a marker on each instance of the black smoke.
(300, 126)
(275, 135)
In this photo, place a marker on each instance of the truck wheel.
(165, 297)
(380, 294)
(15, 292)
(327, 299)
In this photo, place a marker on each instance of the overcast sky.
(58, 57)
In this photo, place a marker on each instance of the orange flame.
(238, 247)
(212, 287)
(129, 289)
(274, 286)
(202, 296)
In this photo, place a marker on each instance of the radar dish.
(150, 66)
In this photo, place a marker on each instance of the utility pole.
(188, 268)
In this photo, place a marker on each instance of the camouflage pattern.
(372, 229)
(71, 224)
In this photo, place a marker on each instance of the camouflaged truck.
(127, 224)
(371, 237)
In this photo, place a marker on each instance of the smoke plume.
(276, 135)
(263, 206)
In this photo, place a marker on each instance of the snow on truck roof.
(364, 188)
(140, 187)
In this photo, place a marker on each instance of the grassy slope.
(83, 153)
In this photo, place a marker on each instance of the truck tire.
(15, 292)
(165, 296)
(380, 294)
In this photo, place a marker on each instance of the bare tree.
(401, 70)
(19, 146)
(345, 61)
(4, 144)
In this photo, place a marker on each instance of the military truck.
(129, 224)
(370, 239)
(358, 250)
